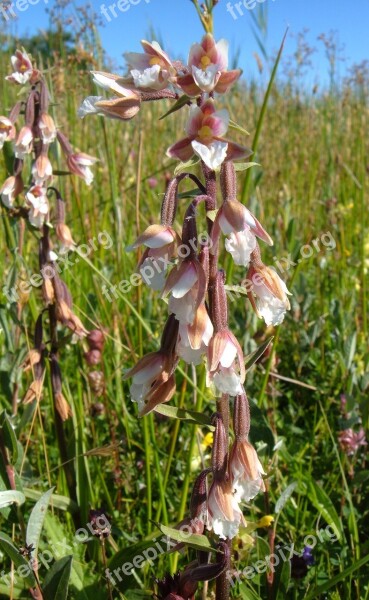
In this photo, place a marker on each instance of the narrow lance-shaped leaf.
(182, 101)
(324, 505)
(184, 415)
(11, 497)
(56, 582)
(36, 521)
(194, 540)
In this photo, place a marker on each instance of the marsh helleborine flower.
(205, 130)
(207, 65)
(267, 293)
(239, 224)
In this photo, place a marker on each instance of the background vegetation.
(313, 179)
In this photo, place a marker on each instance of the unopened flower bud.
(96, 339)
(93, 357)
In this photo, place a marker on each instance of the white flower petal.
(88, 106)
(185, 283)
(205, 79)
(227, 382)
(148, 78)
(212, 155)
(183, 308)
(228, 355)
(240, 245)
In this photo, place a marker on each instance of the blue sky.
(178, 26)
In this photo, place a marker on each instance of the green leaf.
(36, 520)
(19, 561)
(58, 501)
(316, 592)
(251, 359)
(56, 582)
(324, 505)
(190, 416)
(248, 593)
(245, 165)
(9, 437)
(350, 347)
(194, 540)
(185, 166)
(190, 194)
(234, 125)
(11, 497)
(182, 101)
(285, 496)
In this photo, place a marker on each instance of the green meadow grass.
(312, 184)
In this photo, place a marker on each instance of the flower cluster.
(152, 75)
(237, 476)
(44, 210)
(32, 140)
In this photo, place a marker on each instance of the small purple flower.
(307, 555)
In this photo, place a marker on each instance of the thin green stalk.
(268, 367)
(259, 126)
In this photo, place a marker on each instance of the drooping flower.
(39, 205)
(267, 293)
(22, 68)
(350, 441)
(151, 71)
(125, 105)
(24, 142)
(153, 380)
(194, 339)
(225, 516)
(246, 471)
(239, 224)
(161, 242)
(42, 170)
(187, 285)
(226, 368)
(208, 64)
(7, 131)
(47, 128)
(205, 130)
(80, 163)
(10, 189)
